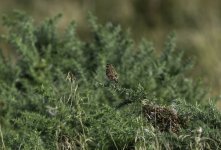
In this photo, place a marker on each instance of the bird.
(111, 73)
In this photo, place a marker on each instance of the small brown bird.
(111, 73)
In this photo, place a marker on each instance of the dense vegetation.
(56, 94)
(198, 34)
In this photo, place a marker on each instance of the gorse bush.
(57, 96)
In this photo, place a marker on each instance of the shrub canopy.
(56, 95)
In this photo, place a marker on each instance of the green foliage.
(56, 96)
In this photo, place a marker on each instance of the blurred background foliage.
(197, 24)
